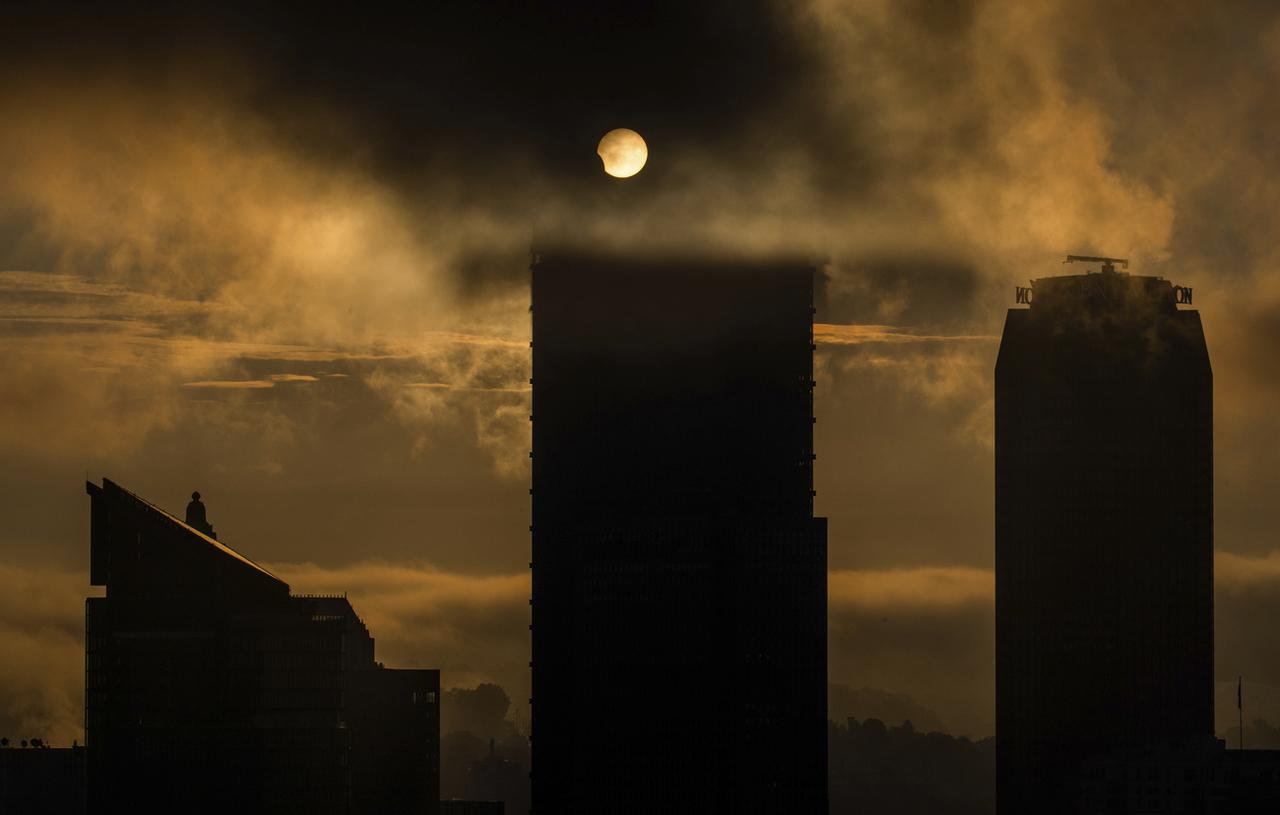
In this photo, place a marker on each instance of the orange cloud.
(829, 334)
(922, 588)
(42, 642)
(1235, 573)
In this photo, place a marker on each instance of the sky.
(281, 256)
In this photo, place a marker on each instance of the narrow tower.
(1104, 530)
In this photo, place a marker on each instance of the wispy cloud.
(451, 387)
(831, 334)
(250, 384)
(104, 346)
(231, 384)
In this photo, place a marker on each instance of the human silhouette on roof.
(196, 518)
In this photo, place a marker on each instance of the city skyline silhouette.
(281, 256)
(1103, 370)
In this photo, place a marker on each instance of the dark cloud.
(492, 87)
(920, 292)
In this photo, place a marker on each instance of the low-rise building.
(41, 780)
(1206, 779)
(209, 687)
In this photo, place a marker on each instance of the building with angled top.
(210, 688)
(1104, 532)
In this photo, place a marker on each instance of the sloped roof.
(221, 547)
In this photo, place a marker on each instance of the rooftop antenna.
(1240, 707)
(1108, 264)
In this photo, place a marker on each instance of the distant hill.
(1261, 735)
(845, 702)
(879, 770)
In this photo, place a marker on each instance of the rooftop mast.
(1108, 264)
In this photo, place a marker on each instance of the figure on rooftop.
(196, 518)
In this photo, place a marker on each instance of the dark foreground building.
(1104, 532)
(679, 576)
(209, 688)
(455, 806)
(1205, 779)
(41, 780)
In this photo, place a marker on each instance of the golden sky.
(289, 271)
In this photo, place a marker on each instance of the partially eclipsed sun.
(623, 152)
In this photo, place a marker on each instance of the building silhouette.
(1206, 779)
(1104, 532)
(456, 806)
(41, 780)
(679, 575)
(210, 688)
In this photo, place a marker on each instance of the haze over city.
(282, 257)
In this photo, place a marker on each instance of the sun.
(623, 152)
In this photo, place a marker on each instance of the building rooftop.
(119, 492)
(1104, 291)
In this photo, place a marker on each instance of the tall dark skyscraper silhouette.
(210, 688)
(679, 576)
(1104, 531)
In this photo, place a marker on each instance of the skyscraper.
(1104, 531)
(679, 576)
